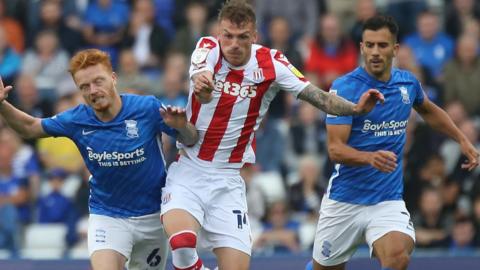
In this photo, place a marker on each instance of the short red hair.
(87, 58)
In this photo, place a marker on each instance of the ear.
(361, 48)
(396, 47)
(114, 78)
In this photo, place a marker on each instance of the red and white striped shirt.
(241, 97)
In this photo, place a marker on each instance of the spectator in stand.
(462, 76)
(431, 223)
(47, 62)
(459, 13)
(307, 135)
(27, 97)
(186, 37)
(301, 15)
(105, 22)
(280, 232)
(13, 29)
(173, 89)
(331, 53)
(280, 38)
(306, 195)
(130, 77)
(59, 17)
(55, 207)
(476, 217)
(10, 61)
(462, 239)
(148, 41)
(432, 48)
(403, 11)
(365, 9)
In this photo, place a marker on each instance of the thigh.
(107, 233)
(392, 244)
(107, 259)
(388, 217)
(183, 191)
(340, 230)
(226, 222)
(232, 259)
(150, 250)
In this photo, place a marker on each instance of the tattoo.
(329, 103)
(188, 135)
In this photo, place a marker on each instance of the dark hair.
(381, 21)
(238, 12)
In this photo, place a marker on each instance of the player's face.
(378, 49)
(97, 85)
(236, 41)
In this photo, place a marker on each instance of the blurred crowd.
(150, 42)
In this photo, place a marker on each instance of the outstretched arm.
(439, 120)
(333, 104)
(25, 125)
(176, 118)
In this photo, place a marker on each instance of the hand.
(472, 154)
(384, 161)
(174, 117)
(4, 91)
(368, 100)
(203, 86)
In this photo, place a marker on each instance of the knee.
(397, 261)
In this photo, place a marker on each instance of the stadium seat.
(44, 241)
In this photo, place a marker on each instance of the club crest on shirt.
(132, 129)
(404, 93)
(258, 75)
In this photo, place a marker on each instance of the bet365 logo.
(236, 89)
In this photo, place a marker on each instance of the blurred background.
(44, 183)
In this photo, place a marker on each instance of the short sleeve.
(60, 124)
(340, 88)
(288, 77)
(160, 125)
(205, 56)
(419, 93)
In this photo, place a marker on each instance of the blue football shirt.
(123, 155)
(381, 129)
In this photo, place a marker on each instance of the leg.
(107, 259)
(232, 259)
(181, 228)
(150, 250)
(393, 250)
(317, 266)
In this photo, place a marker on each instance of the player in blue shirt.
(364, 196)
(119, 137)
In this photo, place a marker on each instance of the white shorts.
(216, 198)
(141, 240)
(343, 226)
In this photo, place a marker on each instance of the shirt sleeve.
(419, 93)
(288, 77)
(160, 124)
(205, 56)
(341, 89)
(60, 124)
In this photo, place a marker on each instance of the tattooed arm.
(333, 104)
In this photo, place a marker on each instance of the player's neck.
(383, 77)
(112, 111)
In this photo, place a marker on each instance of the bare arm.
(333, 104)
(176, 118)
(340, 152)
(203, 86)
(188, 135)
(439, 120)
(25, 125)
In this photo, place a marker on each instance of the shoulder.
(349, 80)
(401, 75)
(208, 42)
